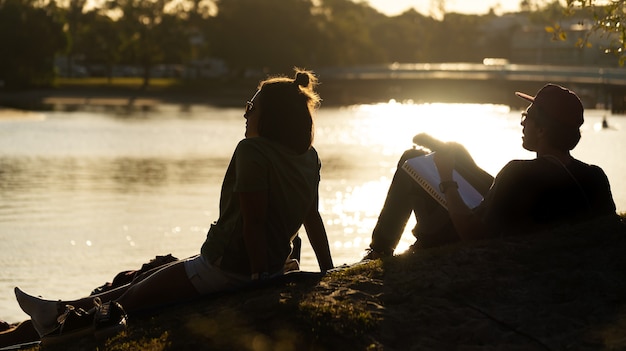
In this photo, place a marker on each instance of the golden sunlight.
(491, 133)
(360, 147)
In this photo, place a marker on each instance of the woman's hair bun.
(302, 79)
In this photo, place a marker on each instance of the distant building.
(532, 44)
(514, 37)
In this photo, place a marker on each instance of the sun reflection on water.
(362, 153)
(389, 128)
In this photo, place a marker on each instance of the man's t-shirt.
(291, 181)
(537, 194)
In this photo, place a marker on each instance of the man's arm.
(316, 233)
(467, 225)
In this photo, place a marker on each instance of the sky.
(395, 7)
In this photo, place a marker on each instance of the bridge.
(492, 81)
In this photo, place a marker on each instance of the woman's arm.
(316, 233)
(254, 211)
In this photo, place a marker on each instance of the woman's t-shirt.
(291, 181)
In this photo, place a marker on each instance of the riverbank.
(129, 93)
(551, 291)
(114, 97)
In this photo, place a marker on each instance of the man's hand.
(444, 160)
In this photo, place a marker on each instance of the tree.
(198, 17)
(405, 38)
(30, 37)
(268, 35)
(346, 33)
(603, 18)
(75, 21)
(149, 34)
(100, 42)
(460, 34)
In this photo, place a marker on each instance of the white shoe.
(43, 313)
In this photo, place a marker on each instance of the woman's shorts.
(207, 278)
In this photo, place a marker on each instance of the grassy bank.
(563, 289)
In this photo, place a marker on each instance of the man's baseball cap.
(558, 103)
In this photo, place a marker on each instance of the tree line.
(267, 36)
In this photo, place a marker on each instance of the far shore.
(129, 92)
(46, 99)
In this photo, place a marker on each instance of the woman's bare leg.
(167, 285)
